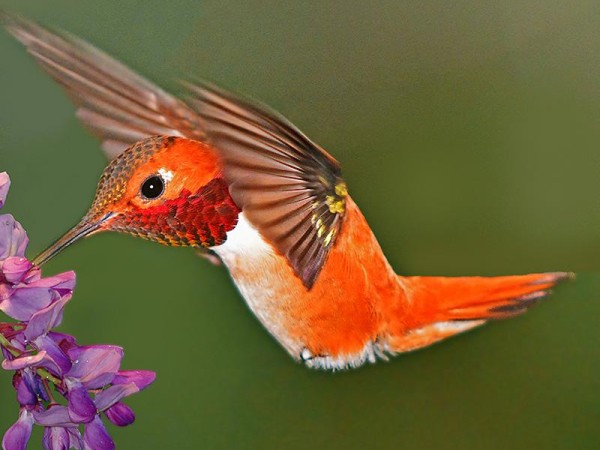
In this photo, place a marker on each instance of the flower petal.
(35, 382)
(24, 361)
(55, 416)
(18, 342)
(96, 365)
(25, 301)
(53, 349)
(65, 341)
(13, 239)
(81, 407)
(46, 319)
(15, 268)
(56, 438)
(63, 282)
(96, 437)
(108, 397)
(41, 359)
(141, 378)
(25, 393)
(75, 439)
(17, 436)
(33, 275)
(120, 414)
(29, 387)
(4, 187)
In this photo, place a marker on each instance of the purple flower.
(14, 268)
(120, 414)
(96, 437)
(21, 299)
(13, 239)
(56, 438)
(59, 432)
(109, 397)
(95, 366)
(27, 386)
(17, 436)
(39, 360)
(141, 378)
(48, 364)
(4, 186)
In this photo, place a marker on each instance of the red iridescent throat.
(192, 219)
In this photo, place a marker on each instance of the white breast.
(251, 262)
(244, 241)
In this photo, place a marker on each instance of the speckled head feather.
(193, 206)
(114, 180)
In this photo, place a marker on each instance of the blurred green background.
(468, 133)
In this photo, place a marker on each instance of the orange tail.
(443, 306)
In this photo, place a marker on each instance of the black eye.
(153, 187)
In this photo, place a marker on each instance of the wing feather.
(290, 189)
(115, 103)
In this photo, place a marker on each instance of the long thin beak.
(82, 229)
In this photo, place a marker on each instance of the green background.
(467, 131)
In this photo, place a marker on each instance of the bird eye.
(153, 187)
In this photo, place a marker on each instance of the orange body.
(359, 309)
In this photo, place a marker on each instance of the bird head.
(165, 189)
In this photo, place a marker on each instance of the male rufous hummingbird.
(243, 184)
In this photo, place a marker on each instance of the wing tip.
(308, 275)
(18, 26)
(28, 32)
(7, 17)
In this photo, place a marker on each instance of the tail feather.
(468, 298)
(445, 306)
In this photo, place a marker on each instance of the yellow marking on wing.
(336, 206)
(341, 190)
(329, 237)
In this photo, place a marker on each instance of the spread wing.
(116, 104)
(289, 188)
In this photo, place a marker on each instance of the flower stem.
(48, 390)
(48, 376)
(8, 346)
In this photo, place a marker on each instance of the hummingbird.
(246, 187)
